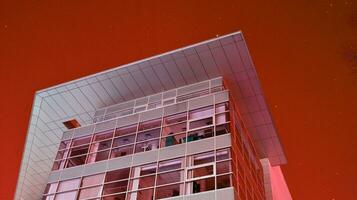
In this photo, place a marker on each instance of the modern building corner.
(189, 124)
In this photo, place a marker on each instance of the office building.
(188, 124)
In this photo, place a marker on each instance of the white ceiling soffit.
(225, 56)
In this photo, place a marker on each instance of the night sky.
(305, 53)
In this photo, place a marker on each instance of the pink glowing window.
(202, 171)
(149, 124)
(91, 192)
(125, 130)
(72, 184)
(117, 175)
(170, 177)
(173, 119)
(168, 165)
(66, 196)
(199, 159)
(92, 180)
(115, 187)
(81, 141)
(169, 191)
(103, 135)
(201, 185)
(51, 188)
(201, 113)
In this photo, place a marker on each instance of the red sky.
(305, 54)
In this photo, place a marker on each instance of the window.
(201, 185)
(122, 151)
(201, 123)
(117, 175)
(66, 196)
(147, 146)
(147, 135)
(114, 197)
(124, 140)
(73, 123)
(199, 159)
(51, 188)
(90, 192)
(125, 130)
(169, 165)
(72, 184)
(146, 194)
(115, 187)
(170, 177)
(206, 170)
(201, 113)
(92, 180)
(169, 191)
(176, 118)
(149, 124)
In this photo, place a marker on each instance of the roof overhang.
(225, 56)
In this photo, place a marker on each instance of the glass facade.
(235, 167)
(168, 178)
(144, 136)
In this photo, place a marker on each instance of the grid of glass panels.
(179, 128)
(247, 169)
(159, 100)
(162, 179)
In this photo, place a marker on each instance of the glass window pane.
(170, 177)
(222, 118)
(116, 187)
(168, 165)
(51, 188)
(115, 197)
(173, 139)
(200, 171)
(223, 167)
(62, 154)
(142, 182)
(95, 157)
(125, 140)
(200, 134)
(169, 191)
(103, 135)
(147, 194)
(201, 123)
(222, 129)
(64, 144)
(102, 145)
(76, 151)
(143, 170)
(92, 180)
(150, 124)
(68, 185)
(66, 196)
(223, 154)
(89, 192)
(75, 161)
(175, 128)
(147, 135)
(222, 107)
(117, 175)
(201, 158)
(122, 151)
(81, 141)
(125, 130)
(173, 119)
(224, 181)
(146, 146)
(201, 113)
(200, 185)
